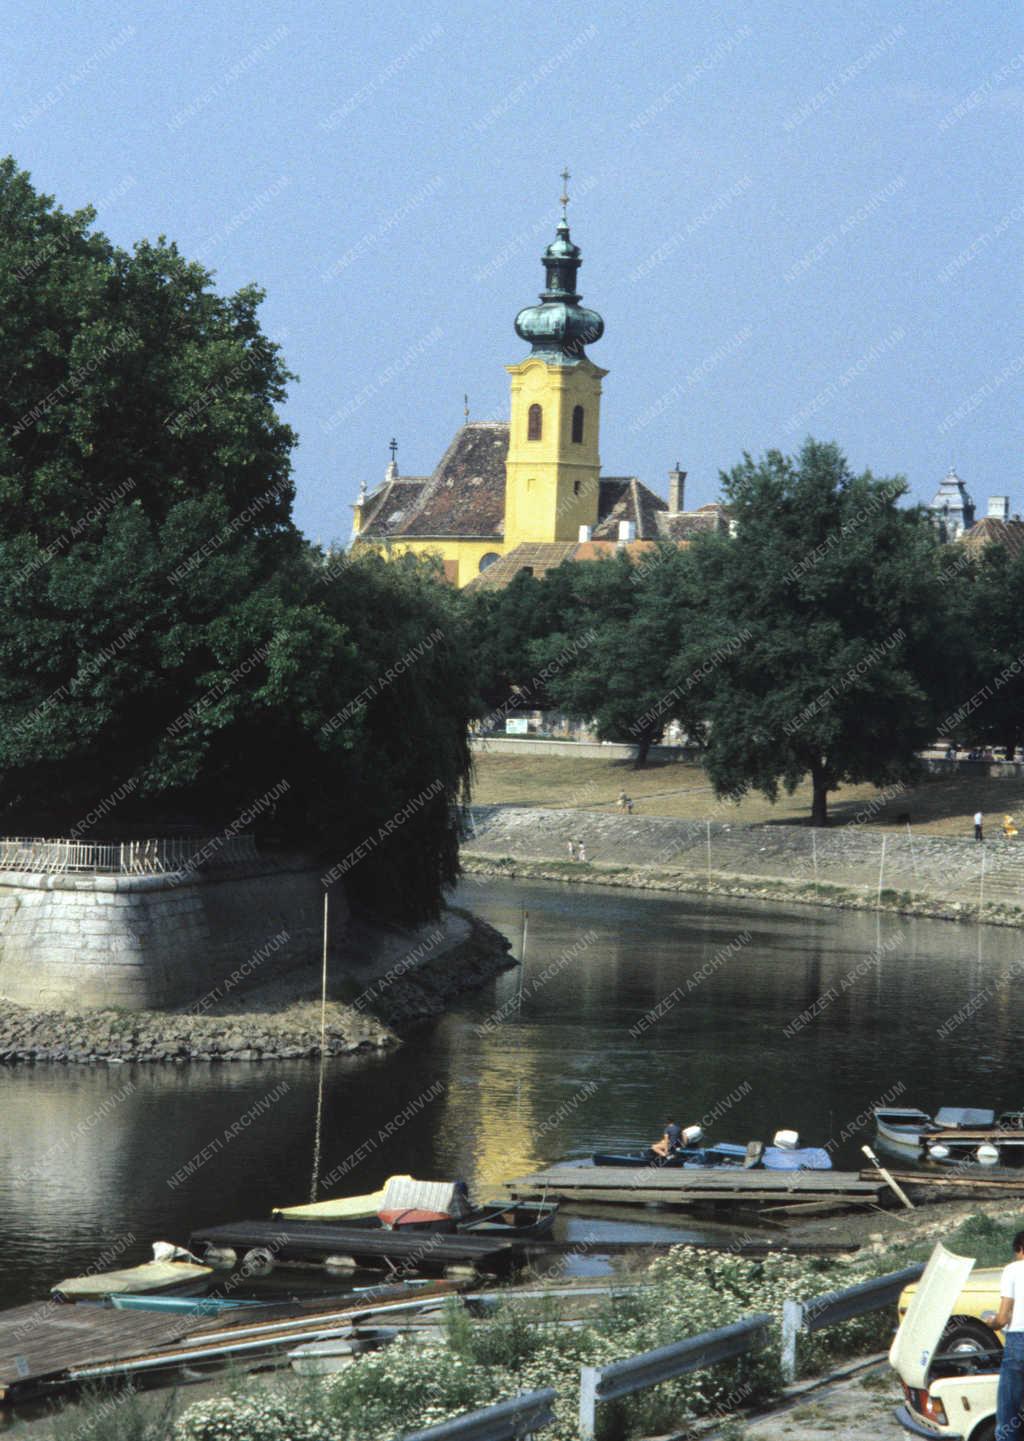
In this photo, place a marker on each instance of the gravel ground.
(858, 1409)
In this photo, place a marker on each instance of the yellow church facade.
(529, 494)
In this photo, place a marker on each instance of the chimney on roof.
(585, 533)
(627, 531)
(676, 481)
(999, 507)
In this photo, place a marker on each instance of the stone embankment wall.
(942, 875)
(139, 941)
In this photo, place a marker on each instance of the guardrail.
(621, 1378)
(513, 1420)
(37, 855)
(532, 1411)
(836, 1306)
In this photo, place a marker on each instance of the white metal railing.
(154, 857)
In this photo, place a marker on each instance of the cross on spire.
(564, 197)
(393, 447)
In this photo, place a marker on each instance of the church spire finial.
(560, 327)
(465, 408)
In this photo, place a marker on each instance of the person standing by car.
(1010, 1320)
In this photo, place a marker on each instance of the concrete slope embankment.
(851, 866)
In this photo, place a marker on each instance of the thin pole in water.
(881, 872)
(519, 1013)
(314, 1180)
(708, 823)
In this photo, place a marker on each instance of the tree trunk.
(643, 745)
(819, 803)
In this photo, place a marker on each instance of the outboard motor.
(786, 1140)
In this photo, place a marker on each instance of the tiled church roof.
(465, 496)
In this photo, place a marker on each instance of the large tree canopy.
(828, 619)
(165, 632)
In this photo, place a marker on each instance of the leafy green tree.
(986, 595)
(615, 662)
(828, 623)
(165, 631)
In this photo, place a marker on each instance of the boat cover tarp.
(449, 1198)
(341, 1208)
(137, 1280)
(804, 1158)
(964, 1117)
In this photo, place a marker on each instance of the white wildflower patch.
(409, 1386)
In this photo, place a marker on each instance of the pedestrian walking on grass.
(977, 826)
(572, 850)
(583, 852)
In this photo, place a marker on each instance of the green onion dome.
(560, 327)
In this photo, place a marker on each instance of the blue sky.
(794, 219)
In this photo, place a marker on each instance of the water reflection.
(805, 1023)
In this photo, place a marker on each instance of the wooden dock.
(728, 1187)
(429, 1252)
(52, 1347)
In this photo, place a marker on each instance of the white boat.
(901, 1130)
(955, 1134)
(324, 1358)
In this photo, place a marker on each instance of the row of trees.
(831, 637)
(171, 649)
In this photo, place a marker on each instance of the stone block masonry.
(89, 941)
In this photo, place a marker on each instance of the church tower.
(553, 467)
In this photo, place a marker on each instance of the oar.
(887, 1178)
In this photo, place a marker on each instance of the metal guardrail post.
(589, 1376)
(792, 1321)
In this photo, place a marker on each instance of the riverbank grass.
(939, 806)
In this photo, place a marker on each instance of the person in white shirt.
(977, 825)
(1010, 1320)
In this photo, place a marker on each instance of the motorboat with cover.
(784, 1154)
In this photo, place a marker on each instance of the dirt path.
(857, 1409)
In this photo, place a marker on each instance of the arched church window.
(534, 423)
(488, 560)
(577, 424)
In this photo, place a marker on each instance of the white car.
(949, 1394)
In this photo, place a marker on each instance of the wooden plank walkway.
(50, 1336)
(629, 1185)
(45, 1347)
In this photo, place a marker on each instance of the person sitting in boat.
(670, 1141)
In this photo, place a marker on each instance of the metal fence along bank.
(531, 1413)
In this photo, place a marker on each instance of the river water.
(633, 1007)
